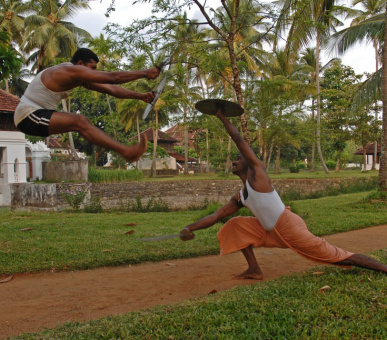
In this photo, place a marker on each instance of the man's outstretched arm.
(84, 74)
(226, 210)
(241, 144)
(120, 92)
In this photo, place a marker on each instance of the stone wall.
(184, 194)
(77, 171)
(176, 194)
(30, 196)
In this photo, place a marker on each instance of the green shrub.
(331, 165)
(94, 206)
(153, 205)
(74, 194)
(199, 206)
(294, 169)
(113, 176)
(378, 199)
(291, 195)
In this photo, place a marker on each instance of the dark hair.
(85, 55)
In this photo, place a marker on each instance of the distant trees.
(292, 106)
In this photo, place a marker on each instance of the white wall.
(161, 163)
(13, 160)
(12, 163)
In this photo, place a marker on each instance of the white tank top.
(267, 207)
(37, 96)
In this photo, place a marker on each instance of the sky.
(361, 58)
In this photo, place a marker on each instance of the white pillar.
(13, 143)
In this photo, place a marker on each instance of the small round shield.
(210, 106)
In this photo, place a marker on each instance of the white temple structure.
(20, 160)
(36, 154)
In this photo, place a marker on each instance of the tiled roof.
(54, 143)
(369, 149)
(8, 102)
(161, 136)
(177, 132)
(181, 158)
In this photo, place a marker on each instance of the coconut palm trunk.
(185, 123)
(376, 111)
(339, 152)
(278, 160)
(238, 87)
(207, 153)
(185, 135)
(138, 163)
(383, 156)
(318, 109)
(269, 157)
(155, 138)
(313, 155)
(228, 161)
(73, 152)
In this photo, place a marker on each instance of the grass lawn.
(353, 305)
(68, 241)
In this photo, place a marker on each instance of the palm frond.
(370, 29)
(369, 92)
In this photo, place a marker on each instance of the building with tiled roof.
(167, 141)
(369, 149)
(369, 152)
(177, 132)
(181, 158)
(8, 103)
(164, 140)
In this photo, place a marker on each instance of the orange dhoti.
(289, 232)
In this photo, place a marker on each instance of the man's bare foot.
(134, 152)
(249, 275)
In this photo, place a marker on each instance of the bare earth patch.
(32, 302)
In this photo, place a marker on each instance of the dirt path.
(36, 301)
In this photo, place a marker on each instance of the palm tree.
(109, 56)
(130, 110)
(289, 88)
(230, 24)
(375, 87)
(49, 33)
(10, 60)
(276, 102)
(308, 59)
(383, 158)
(183, 38)
(369, 8)
(312, 20)
(109, 60)
(12, 19)
(17, 84)
(367, 30)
